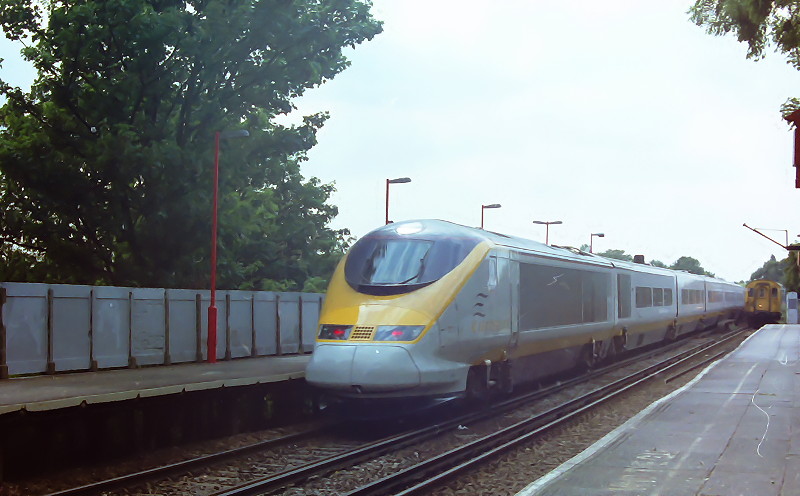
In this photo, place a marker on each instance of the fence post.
(300, 324)
(227, 326)
(198, 326)
(167, 356)
(92, 360)
(3, 337)
(51, 364)
(253, 350)
(131, 359)
(278, 324)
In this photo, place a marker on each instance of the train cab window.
(387, 262)
(774, 292)
(762, 292)
(623, 296)
(667, 297)
(751, 292)
(644, 297)
(658, 297)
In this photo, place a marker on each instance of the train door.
(508, 300)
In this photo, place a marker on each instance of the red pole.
(211, 344)
(387, 202)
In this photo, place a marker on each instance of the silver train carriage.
(434, 309)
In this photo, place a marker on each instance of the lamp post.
(591, 238)
(547, 230)
(484, 207)
(399, 180)
(211, 343)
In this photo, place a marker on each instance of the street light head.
(399, 180)
(599, 235)
(547, 223)
(234, 133)
(493, 205)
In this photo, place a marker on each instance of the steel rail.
(184, 466)
(505, 439)
(379, 447)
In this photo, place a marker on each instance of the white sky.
(619, 117)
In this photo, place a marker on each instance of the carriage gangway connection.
(59, 391)
(734, 429)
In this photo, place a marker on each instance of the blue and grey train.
(429, 309)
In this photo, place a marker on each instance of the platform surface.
(65, 390)
(734, 430)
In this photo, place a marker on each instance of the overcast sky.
(620, 117)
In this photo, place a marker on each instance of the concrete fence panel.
(71, 327)
(148, 326)
(239, 331)
(111, 326)
(183, 325)
(265, 322)
(25, 319)
(289, 323)
(310, 307)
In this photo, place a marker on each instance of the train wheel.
(477, 388)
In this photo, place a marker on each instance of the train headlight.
(398, 333)
(327, 331)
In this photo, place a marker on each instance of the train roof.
(447, 228)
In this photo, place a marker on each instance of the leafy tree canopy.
(772, 270)
(106, 163)
(691, 265)
(759, 23)
(617, 254)
(791, 273)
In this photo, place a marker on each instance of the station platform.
(733, 430)
(40, 393)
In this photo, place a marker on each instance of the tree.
(759, 23)
(772, 270)
(691, 265)
(658, 263)
(617, 254)
(106, 164)
(791, 274)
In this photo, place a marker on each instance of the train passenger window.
(623, 296)
(554, 296)
(644, 297)
(684, 296)
(667, 297)
(658, 297)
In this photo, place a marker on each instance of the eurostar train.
(432, 309)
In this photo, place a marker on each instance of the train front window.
(396, 261)
(384, 263)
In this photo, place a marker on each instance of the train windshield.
(385, 263)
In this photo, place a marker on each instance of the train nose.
(371, 369)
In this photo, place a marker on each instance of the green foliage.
(772, 270)
(617, 254)
(106, 164)
(658, 263)
(791, 274)
(691, 265)
(759, 23)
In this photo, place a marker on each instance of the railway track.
(335, 455)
